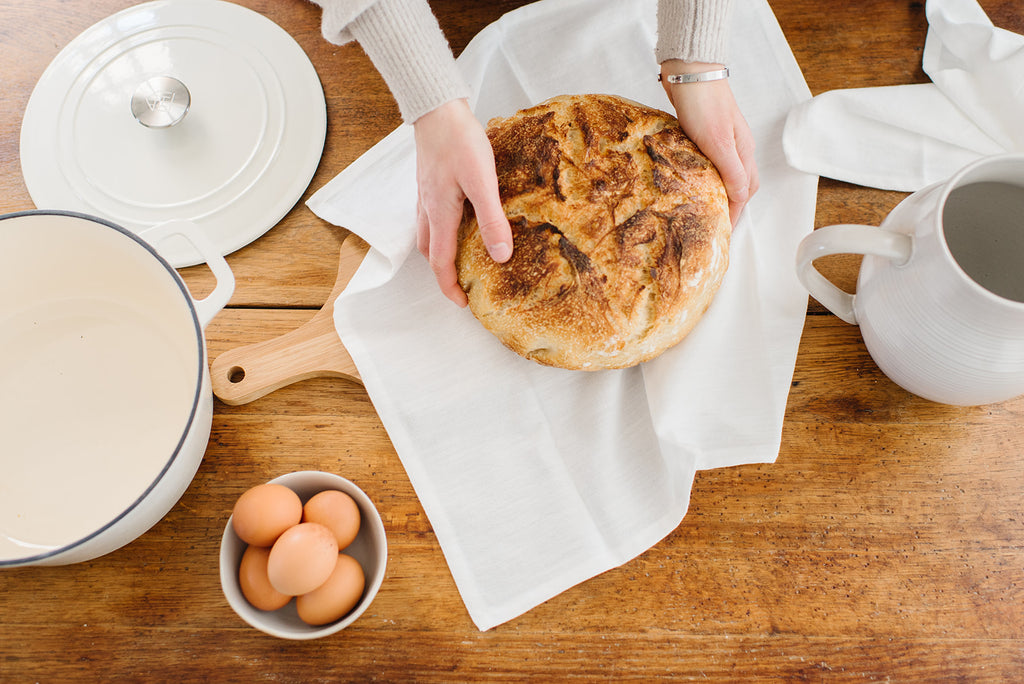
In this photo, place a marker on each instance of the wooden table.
(887, 541)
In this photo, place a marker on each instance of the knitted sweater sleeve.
(405, 43)
(693, 30)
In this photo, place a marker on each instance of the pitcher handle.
(845, 239)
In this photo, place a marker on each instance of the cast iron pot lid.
(177, 109)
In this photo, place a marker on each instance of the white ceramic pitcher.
(940, 294)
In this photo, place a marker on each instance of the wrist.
(679, 66)
(444, 113)
(676, 71)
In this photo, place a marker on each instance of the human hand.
(454, 162)
(709, 116)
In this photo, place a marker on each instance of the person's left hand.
(454, 162)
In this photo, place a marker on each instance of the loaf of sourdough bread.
(621, 234)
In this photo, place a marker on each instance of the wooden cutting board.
(313, 350)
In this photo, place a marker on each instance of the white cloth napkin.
(905, 137)
(533, 478)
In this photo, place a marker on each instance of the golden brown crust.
(620, 234)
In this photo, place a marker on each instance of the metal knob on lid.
(160, 102)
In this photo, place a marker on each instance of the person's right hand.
(710, 117)
(454, 162)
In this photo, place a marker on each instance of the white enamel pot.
(105, 397)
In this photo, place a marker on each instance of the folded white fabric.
(905, 137)
(533, 478)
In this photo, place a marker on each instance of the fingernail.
(500, 252)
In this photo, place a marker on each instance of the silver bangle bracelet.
(699, 77)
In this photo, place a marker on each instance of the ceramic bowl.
(370, 548)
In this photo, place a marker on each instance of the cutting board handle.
(313, 350)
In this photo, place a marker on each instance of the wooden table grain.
(886, 542)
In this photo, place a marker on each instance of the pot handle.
(845, 239)
(211, 305)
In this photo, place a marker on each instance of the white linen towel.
(906, 137)
(535, 479)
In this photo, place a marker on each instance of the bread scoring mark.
(615, 120)
(546, 266)
(583, 122)
(526, 157)
(577, 259)
(653, 244)
(673, 159)
(555, 178)
(612, 179)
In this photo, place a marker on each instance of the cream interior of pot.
(99, 375)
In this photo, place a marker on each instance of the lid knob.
(160, 102)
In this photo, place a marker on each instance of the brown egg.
(256, 587)
(337, 511)
(302, 558)
(264, 512)
(335, 597)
